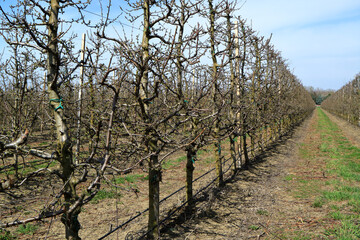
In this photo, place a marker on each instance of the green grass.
(254, 227)
(318, 203)
(129, 181)
(337, 215)
(348, 230)
(289, 177)
(307, 188)
(131, 178)
(209, 160)
(342, 192)
(6, 235)
(181, 159)
(173, 162)
(30, 167)
(43, 143)
(324, 147)
(28, 229)
(355, 205)
(304, 154)
(346, 166)
(206, 150)
(104, 194)
(262, 212)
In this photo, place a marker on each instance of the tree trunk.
(218, 160)
(240, 149)
(233, 84)
(65, 155)
(246, 155)
(151, 142)
(252, 145)
(191, 156)
(217, 152)
(232, 139)
(154, 195)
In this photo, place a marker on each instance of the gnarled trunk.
(65, 155)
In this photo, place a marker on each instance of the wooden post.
(217, 144)
(233, 90)
(82, 58)
(190, 155)
(151, 139)
(238, 92)
(42, 106)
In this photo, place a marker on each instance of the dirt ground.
(257, 203)
(99, 217)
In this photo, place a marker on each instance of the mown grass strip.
(341, 167)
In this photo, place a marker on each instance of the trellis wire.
(162, 200)
(183, 204)
(141, 213)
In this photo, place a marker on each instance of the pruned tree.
(172, 86)
(39, 21)
(345, 101)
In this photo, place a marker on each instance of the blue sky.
(320, 38)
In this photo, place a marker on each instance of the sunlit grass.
(342, 193)
(130, 178)
(105, 194)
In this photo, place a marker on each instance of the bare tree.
(345, 101)
(39, 22)
(149, 95)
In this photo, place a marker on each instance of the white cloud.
(319, 37)
(269, 15)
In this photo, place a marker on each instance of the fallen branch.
(39, 153)
(37, 218)
(15, 144)
(21, 141)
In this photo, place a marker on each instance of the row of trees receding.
(345, 102)
(194, 76)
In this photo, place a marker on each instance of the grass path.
(330, 177)
(307, 187)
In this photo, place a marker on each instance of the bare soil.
(263, 202)
(99, 217)
(260, 202)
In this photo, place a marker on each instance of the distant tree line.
(319, 95)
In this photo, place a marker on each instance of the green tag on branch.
(59, 101)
